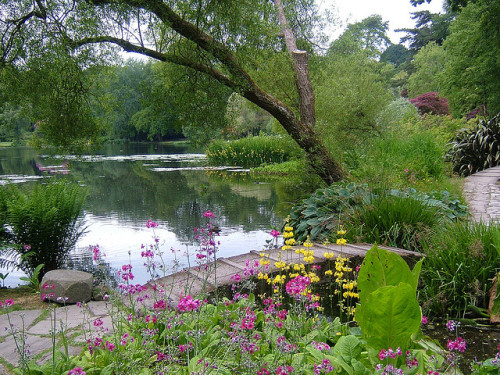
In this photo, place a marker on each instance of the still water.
(170, 184)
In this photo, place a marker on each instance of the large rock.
(66, 286)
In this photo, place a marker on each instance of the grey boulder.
(66, 286)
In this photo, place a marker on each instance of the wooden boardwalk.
(195, 280)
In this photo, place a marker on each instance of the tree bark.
(301, 69)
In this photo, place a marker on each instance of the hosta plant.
(476, 149)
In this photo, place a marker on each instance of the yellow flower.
(280, 264)
(308, 243)
(341, 241)
(290, 242)
(309, 259)
(329, 273)
(288, 228)
(341, 231)
(264, 262)
(328, 255)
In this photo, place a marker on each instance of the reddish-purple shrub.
(431, 103)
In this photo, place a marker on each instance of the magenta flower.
(126, 338)
(8, 302)
(110, 346)
(98, 322)
(274, 233)
(187, 303)
(96, 251)
(208, 214)
(151, 224)
(424, 319)
(235, 278)
(160, 305)
(77, 371)
(459, 344)
(296, 286)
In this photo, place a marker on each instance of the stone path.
(481, 190)
(482, 193)
(76, 321)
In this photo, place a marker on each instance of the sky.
(397, 12)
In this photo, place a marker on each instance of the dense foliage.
(43, 225)
(475, 149)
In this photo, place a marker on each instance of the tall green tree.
(428, 64)
(370, 35)
(221, 39)
(429, 27)
(472, 70)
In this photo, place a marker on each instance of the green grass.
(253, 151)
(461, 260)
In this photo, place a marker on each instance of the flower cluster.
(459, 344)
(8, 302)
(187, 303)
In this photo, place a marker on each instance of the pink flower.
(110, 346)
(187, 303)
(274, 233)
(296, 286)
(9, 302)
(160, 305)
(235, 278)
(98, 322)
(208, 214)
(77, 371)
(126, 338)
(459, 344)
(424, 319)
(151, 224)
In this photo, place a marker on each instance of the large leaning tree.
(230, 41)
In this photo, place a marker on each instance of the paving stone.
(17, 318)
(34, 346)
(70, 317)
(99, 308)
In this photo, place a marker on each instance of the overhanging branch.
(175, 59)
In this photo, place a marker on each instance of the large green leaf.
(390, 316)
(348, 348)
(382, 268)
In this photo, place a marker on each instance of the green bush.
(461, 260)
(323, 211)
(393, 220)
(253, 151)
(476, 149)
(319, 215)
(44, 225)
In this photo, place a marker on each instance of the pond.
(129, 184)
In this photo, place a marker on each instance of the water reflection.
(129, 184)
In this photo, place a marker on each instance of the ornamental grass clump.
(253, 151)
(462, 258)
(398, 221)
